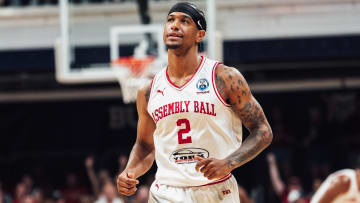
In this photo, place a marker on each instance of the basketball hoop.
(132, 74)
(137, 66)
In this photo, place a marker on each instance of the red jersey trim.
(223, 179)
(187, 82)
(213, 79)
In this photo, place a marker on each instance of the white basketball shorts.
(218, 192)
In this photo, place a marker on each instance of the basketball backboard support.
(64, 54)
(116, 31)
(68, 71)
(72, 39)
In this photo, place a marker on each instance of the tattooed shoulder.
(221, 86)
(229, 81)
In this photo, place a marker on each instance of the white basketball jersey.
(190, 120)
(351, 196)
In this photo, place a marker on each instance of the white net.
(135, 71)
(129, 83)
(134, 75)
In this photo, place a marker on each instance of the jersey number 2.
(181, 139)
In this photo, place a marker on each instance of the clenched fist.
(126, 183)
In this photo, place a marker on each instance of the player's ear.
(200, 36)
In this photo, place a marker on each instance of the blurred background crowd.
(99, 187)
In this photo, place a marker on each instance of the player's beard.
(173, 46)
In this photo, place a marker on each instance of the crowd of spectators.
(306, 150)
(286, 188)
(102, 188)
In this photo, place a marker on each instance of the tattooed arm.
(245, 106)
(234, 89)
(142, 155)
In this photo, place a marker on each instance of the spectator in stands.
(292, 192)
(38, 195)
(109, 194)
(142, 195)
(94, 181)
(28, 182)
(244, 196)
(4, 197)
(61, 200)
(104, 176)
(28, 199)
(20, 192)
(106, 193)
(73, 191)
(87, 199)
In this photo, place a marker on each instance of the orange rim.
(136, 65)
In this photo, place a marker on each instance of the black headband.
(196, 14)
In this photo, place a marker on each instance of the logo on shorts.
(226, 192)
(187, 155)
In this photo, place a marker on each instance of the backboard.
(93, 35)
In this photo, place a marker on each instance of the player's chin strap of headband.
(197, 15)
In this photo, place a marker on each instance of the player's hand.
(126, 183)
(89, 162)
(212, 168)
(270, 157)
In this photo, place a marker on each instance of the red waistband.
(217, 181)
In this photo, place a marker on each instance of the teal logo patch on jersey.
(187, 155)
(202, 84)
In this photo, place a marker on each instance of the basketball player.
(340, 187)
(190, 121)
